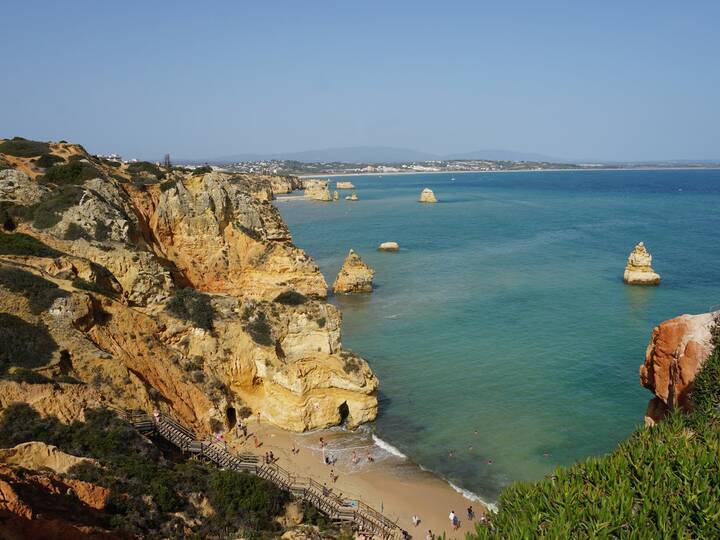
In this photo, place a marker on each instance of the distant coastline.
(335, 175)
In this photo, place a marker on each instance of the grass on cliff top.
(19, 147)
(663, 482)
(74, 173)
(146, 488)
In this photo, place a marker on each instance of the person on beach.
(415, 520)
(369, 457)
(220, 440)
(454, 522)
(354, 458)
(470, 513)
(257, 441)
(156, 416)
(322, 443)
(258, 417)
(430, 535)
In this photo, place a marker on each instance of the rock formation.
(354, 277)
(181, 291)
(336, 195)
(427, 196)
(389, 246)
(38, 455)
(345, 185)
(352, 197)
(639, 270)
(676, 352)
(317, 190)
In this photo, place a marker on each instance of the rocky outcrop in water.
(317, 190)
(169, 289)
(354, 277)
(676, 352)
(389, 246)
(344, 185)
(427, 196)
(639, 268)
(352, 197)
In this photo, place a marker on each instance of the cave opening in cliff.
(9, 225)
(344, 411)
(231, 417)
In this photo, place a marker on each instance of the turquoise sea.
(502, 331)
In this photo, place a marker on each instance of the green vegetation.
(663, 482)
(48, 212)
(19, 147)
(145, 168)
(198, 171)
(75, 172)
(291, 298)
(256, 324)
(168, 184)
(75, 232)
(24, 244)
(193, 306)
(145, 487)
(48, 160)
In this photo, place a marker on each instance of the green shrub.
(48, 160)
(193, 306)
(291, 298)
(145, 487)
(75, 172)
(663, 482)
(198, 171)
(48, 212)
(24, 244)
(167, 185)
(145, 168)
(259, 329)
(19, 147)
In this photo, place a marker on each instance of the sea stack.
(639, 268)
(427, 196)
(345, 185)
(336, 195)
(352, 197)
(317, 190)
(389, 246)
(354, 277)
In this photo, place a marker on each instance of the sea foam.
(389, 448)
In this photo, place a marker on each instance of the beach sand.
(391, 483)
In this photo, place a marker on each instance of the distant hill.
(382, 154)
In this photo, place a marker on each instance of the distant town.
(301, 168)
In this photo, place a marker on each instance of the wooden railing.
(365, 518)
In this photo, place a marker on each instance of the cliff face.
(676, 352)
(169, 290)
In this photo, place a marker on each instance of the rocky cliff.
(677, 349)
(138, 286)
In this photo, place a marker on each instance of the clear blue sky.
(635, 79)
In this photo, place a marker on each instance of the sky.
(630, 80)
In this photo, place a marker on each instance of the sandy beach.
(390, 483)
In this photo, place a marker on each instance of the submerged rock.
(676, 352)
(345, 185)
(352, 197)
(638, 270)
(427, 196)
(389, 246)
(354, 277)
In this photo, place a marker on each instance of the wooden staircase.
(364, 518)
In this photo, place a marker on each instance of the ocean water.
(504, 338)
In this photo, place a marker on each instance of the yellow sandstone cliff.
(166, 289)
